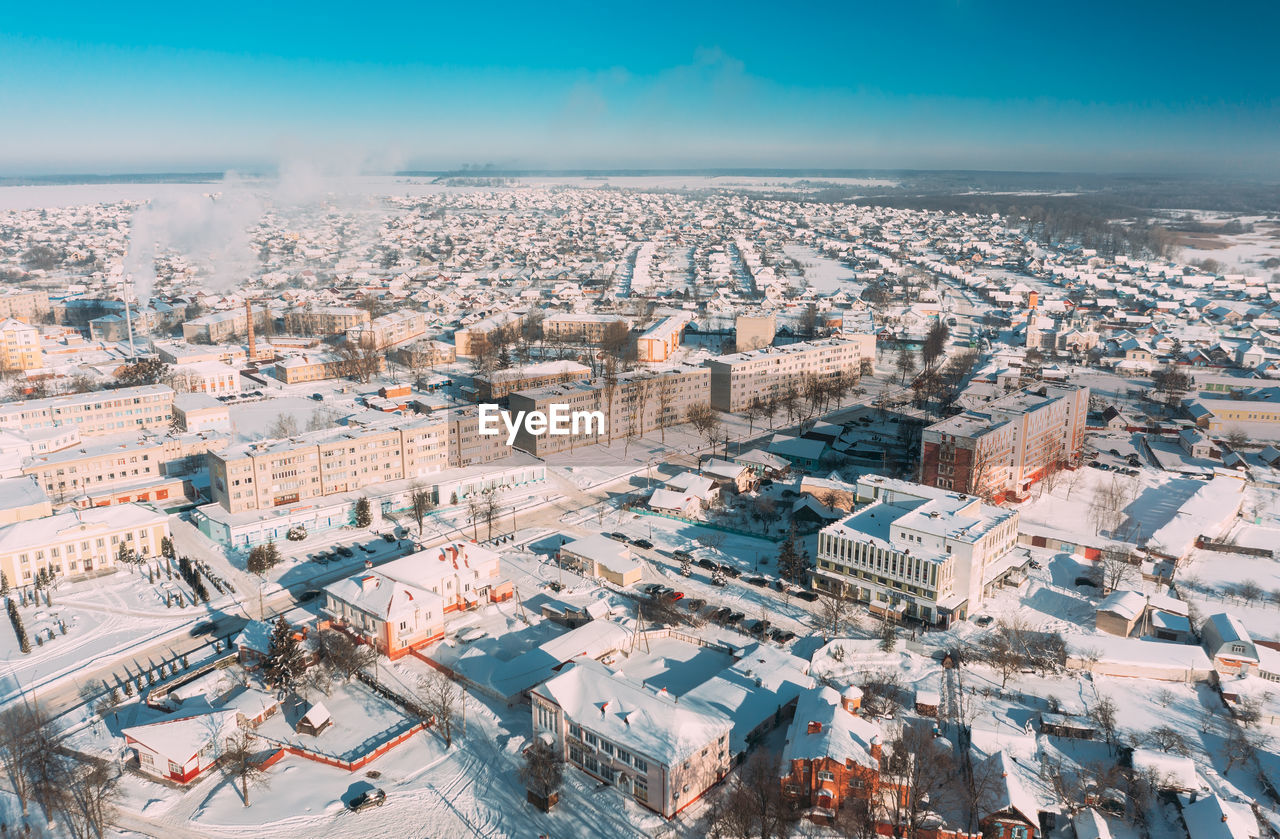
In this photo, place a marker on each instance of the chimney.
(815, 727)
(368, 563)
(368, 582)
(851, 699)
(248, 310)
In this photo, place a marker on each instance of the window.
(641, 789)
(826, 776)
(146, 759)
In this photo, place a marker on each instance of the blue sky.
(1121, 86)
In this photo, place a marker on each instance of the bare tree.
(19, 723)
(1168, 739)
(543, 770)
(756, 410)
(345, 656)
(1114, 568)
(421, 502)
(239, 763)
(284, 425)
(919, 768)
(491, 508)
(1103, 715)
(835, 615)
(759, 793)
(442, 699)
(705, 421)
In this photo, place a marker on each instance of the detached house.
(832, 753)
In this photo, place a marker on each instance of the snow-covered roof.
(1126, 604)
(1213, 818)
(182, 738)
(1008, 794)
(822, 728)
(652, 723)
(1170, 771)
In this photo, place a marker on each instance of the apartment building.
(19, 346)
(660, 341)
(26, 306)
(753, 332)
(219, 327)
(79, 542)
(211, 377)
(632, 403)
(272, 473)
(178, 352)
(917, 552)
(467, 446)
(493, 386)
(738, 378)
(388, 330)
(663, 751)
(94, 413)
(1002, 449)
(476, 338)
(104, 473)
(579, 327)
(426, 352)
(316, 367)
(1257, 417)
(324, 320)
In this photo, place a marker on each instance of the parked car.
(319, 397)
(367, 799)
(730, 571)
(202, 628)
(681, 555)
(673, 596)
(983, 620)
(309, 595)
(641, 543)
(653, 588)
(345, 551)
(707, 564)
(1036, 565)
(365, 548)
(808, 596)
(388, 537)
(779, 585)
(620, 537)
(760, 582)
(782, 636)
(734, 619)
(720, 615)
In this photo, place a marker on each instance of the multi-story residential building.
(94, 413)
(79, 542)
(753, 332)
(388, 330)
(739, 378)
(917, 551)
(218, 327)
(1001, 449)
(632, 404)
(272, 473)
(662, 751)
(211, 377)
(196, 412)
(832, 753)
(315, 367)
(467, 446)
(401, 606)
(97, 474)
(426, 352)
(476, 338)
(19, 346)
(579, 327)
(26, 306)
(493, 386)
(324, 320)
(660, 341)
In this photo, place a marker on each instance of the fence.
(1227, 547)
(350, 762)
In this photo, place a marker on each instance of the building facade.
(94, 413)
(917, 552)
(739, 378)
(19, 346)
(388, 330)
(632, 404)
(79, 542)
(491, 387)
(1001, 450)
(663, 752)
(579, 327)
(324, 320)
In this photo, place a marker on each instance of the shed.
(315, 720)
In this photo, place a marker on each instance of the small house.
(315, 720)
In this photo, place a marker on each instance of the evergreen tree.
(793, 563)
(166, 547)
(4, 584)
(364, 517)
(272, 554)
(888, 638)
(284, 663)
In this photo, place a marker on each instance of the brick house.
(832, 753)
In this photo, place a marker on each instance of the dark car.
(309, 595)
(761, 582)
(681, 555)
(779, 585)
(707, 564)
(673, 595)
(720, 615)
(345, 551)
(319, 397)
(367, 799)
(641, 543)
(365, 548)
(388, 537)
(730, 571)
(653, 588)
(983, 620)
(782, 636)
(734, 619)
(202, 628)
(808, 596)
(621, 537)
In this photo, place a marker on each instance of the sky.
(922, 84)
